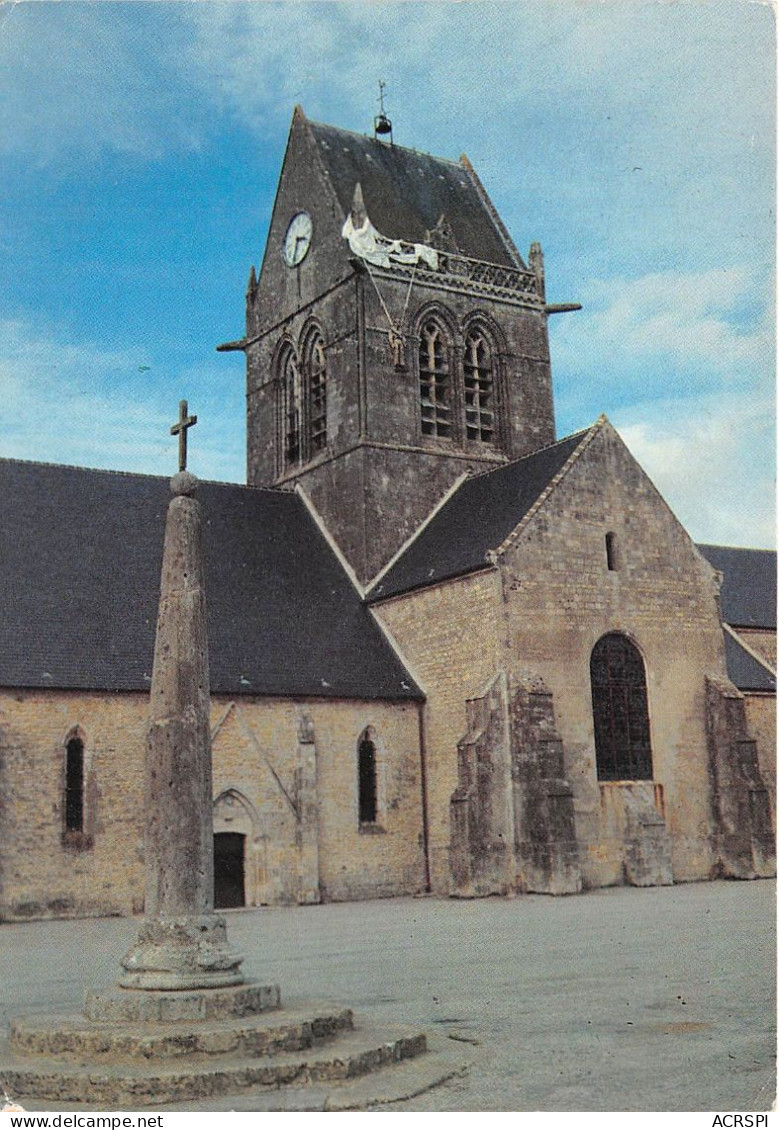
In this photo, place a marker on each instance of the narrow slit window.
(292, 409)
(317, 397)
(479, 407)
(612, 552)
(434, 382)
(74, 785)
(367, 781)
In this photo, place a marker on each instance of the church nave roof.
(80, 559)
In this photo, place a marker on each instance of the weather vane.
(381, 123)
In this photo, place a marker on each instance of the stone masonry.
(744, 840)
(377, 461)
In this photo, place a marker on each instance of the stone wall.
(760, 712)
(545, 844)
(743, 837)
(542, 610)
(481, 809)
(285, 777)
(379, 474)
(450, 638)
(41, 873)
(561, 598)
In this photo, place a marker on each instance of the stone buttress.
(512, 812)
(744, 840)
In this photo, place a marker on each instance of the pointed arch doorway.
(238, 878)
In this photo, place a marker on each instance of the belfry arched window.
(435, 385)
(292, 408)
(620, 711)
(478, 387)
(367, 779)
(317, 396)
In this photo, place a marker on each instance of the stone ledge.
(394, 1083)
(199, 1077)
(116, 1005)
(67, 1038)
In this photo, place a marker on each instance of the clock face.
(298, 239)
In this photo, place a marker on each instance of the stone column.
(182, 944)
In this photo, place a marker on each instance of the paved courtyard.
(620, 999)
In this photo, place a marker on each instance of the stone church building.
(449, 651)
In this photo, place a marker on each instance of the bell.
(382, 124)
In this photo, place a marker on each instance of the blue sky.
(141, 144)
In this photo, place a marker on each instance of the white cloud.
(683, 364)
(633, 137)
(607, 125)
(83, 79)
(689, 331)
(145, 77)
(76, 403)
(712, 459)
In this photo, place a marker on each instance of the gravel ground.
(659, 999)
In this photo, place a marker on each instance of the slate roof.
(80, 557)
(478, 517)
(749, 586)
(744, 670)
(406, 192)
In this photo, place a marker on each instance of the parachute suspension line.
(381, 300)
(395, 335)
(408, 293)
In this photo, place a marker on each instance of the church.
(450, 652)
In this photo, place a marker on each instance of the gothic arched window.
(317, 396)
(74, 785)
(478, 380)
(367, 780)
(435, 386)
(620, 712)
(292, 408)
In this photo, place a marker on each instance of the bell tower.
(395, 338)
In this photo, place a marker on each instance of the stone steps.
(133, 1083)
(266, 1034)
(220, 1046)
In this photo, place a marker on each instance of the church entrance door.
(228, 870)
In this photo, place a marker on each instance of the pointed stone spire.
(359, 213)
(536, 262)
(441, 236)
(182, 943)
(251, 300)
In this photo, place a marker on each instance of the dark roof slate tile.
(477, 517)
(407, 192)
(744, 670)
(749, 584)
(80, 558)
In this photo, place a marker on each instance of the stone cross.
(180, 429)
(182, 943)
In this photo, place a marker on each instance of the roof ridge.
(588, 435)
(734, 548)
(407, 148)
(502, 230)
(749, 650)
(8, 459)
(335, 548)
(532, 454)
(439, 505)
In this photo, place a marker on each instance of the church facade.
(449, 651)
